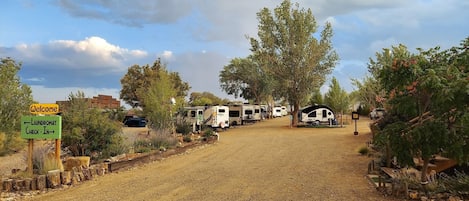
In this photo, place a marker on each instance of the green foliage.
(337, 98)
(183, 127)
(15, 101)
(246, 78)
(87, 130)
(369, 93)
(163, 141)
(139, 79)
(316, 97)
(457, 184)
(158, 108)
(428, 92)
(286, 46)
(187, 138)
(208, 133)
(205, 98)
(363, 150)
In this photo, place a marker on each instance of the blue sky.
(70, 45)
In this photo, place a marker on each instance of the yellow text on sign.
(44, 108)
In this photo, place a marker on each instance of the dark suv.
(135, 122)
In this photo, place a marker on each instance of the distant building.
(100, 101)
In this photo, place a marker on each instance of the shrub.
(163, 140)
(142, 146)
(187, 139)
(364, 150)
(208, 133)
(457, 184)
(184, 128)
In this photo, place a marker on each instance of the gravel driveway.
(264, 161)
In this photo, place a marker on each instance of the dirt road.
(264, 161)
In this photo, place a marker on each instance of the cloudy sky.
(70, 45)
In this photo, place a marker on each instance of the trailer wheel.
(317, 123)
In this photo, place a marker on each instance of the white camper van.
(217, 116)
(277, 112)
(316, 115)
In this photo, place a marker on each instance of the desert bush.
(364, 150)
(44, 159)
(187, 139)
(116, 147)
(208, 132)
(142, 146)
(11, 143)
(184, 128)
(163, 141)
(457, 184)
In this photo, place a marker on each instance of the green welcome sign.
(41, 127)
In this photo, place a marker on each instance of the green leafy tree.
(140, 77)
(206, 98)
(296, 60)
(245, 77)
(89, 131)
(427, 101)
(15, 101)
(159, 108)
(369, 92)
(337, 98)
(316, 97)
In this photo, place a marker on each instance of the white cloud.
(92, 53)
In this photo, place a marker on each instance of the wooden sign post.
(355, 117)
(41, 127)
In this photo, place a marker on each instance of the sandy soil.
(263, 161)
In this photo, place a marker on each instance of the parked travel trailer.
(277, 112)
(264, 112)
(194, 116)
(250, 113)
(317, 114)
(284, 110)
(217, 117)
(235, 116)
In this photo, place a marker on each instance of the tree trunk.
(296, 108)
(423, 177)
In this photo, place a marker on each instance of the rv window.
(248, 112)
(192, 113)
(329, 113)
(233, 113)
(221, 110)
(312, 114)
(324, 113)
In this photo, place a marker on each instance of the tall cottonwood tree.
(159, 108)
(245, 77)
(296, 60)
(15, 99)
(140, 77)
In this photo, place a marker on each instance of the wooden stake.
(57, 149)
(30, 155)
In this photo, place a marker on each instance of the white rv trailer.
(250, 113)
(194, 116)
(277, 112)
(235, 116)
(316, 115)
(284, 110)
(217, 116)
